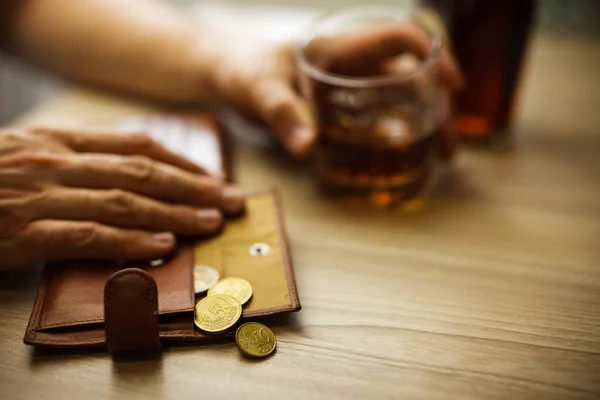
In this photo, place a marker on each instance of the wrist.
(208, 66)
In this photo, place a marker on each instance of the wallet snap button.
(259, 249)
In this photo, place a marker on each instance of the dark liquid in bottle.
(489, 38)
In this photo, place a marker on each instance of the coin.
(236, 287)
(255, 339)
(216, 314)
(205, 277)
(157, 262)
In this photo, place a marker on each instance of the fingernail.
(164, 238)
(210, 219)
(233, 199)
(303, 139)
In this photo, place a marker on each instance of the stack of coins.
(221, 310)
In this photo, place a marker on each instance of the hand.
(261, 80)
(67, 194)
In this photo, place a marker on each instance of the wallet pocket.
(69, 308)
(75, 291)
(254, 248)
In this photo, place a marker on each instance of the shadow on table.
(21, 279)
(44, 356)
(146, 372)
(138, 371)
(280, 324)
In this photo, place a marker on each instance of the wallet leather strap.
(131, 312)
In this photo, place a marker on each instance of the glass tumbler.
(368, 74)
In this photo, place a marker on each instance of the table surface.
(491, 291)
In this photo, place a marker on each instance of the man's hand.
(67, 194)
(261, 79)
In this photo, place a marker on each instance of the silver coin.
(205, 277)
(157, 262)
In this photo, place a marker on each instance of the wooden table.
(491, 291)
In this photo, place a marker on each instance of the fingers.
(52, 239)
(287, 114)
(445, 121)
(149, 178)
(16, 140)
(123, 209)
(119, 143)
(391, 41)
(449, 73)
(358, 52)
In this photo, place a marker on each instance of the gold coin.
(205, 277)
(236, 287)
(255, 339)
(218, 313)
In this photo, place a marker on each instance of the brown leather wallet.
(89, 304)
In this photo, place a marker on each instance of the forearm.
(139, 46)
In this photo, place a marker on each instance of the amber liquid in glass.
(382, 173)
(376, 142)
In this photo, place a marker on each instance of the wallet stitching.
(192, 334)
(36, 314)
(289, 271)
(66, 324)
(266, 311)
(176, 333)
(98, 340)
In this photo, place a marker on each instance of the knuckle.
(141, 168)
(40, 131)
(59, 135)
(120, 202)
(276, 100)
(11, 135)
(279, 108)
(38, 159)
(57, 139)
(84, 235)
(210, 189)
(11, 219)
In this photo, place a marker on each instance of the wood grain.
(491, 291)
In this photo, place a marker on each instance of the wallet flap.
(131, 312)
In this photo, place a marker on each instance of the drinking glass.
(368, 73)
